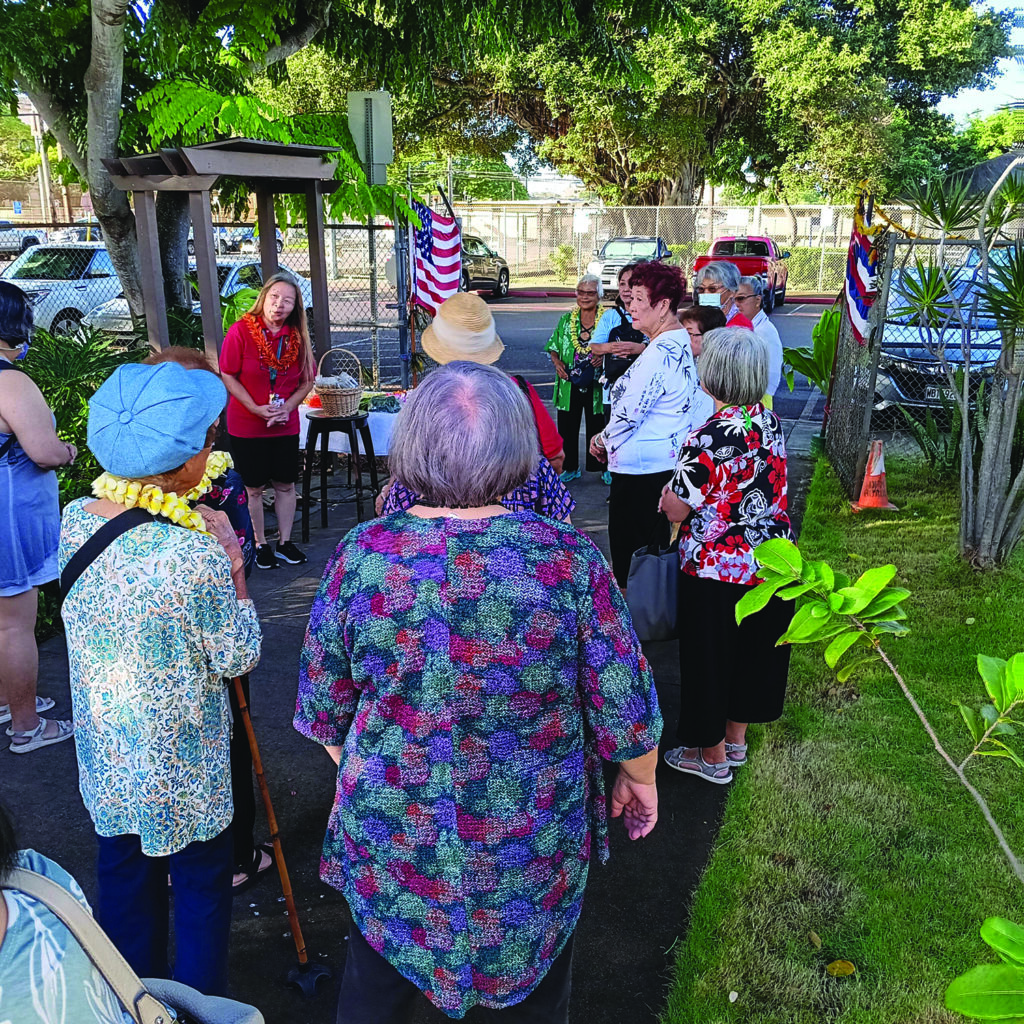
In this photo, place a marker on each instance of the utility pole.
(451, 179)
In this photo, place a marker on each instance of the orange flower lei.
(289, 351)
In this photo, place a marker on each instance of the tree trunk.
(103, 80)
(172, 221)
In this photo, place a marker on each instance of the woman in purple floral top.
(468, 668)
(729, 493)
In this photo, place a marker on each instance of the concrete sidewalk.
(636, 907)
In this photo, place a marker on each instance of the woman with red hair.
(655, 404)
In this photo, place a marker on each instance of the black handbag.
(616, 366)
(581, 375)
(652, 592)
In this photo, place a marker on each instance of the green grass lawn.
(846, 823)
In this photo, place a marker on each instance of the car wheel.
(780, 297)
(502, 289)
(768, 301)
(222, 247)
(464, 281)
(66, 322)
(280, 247)
(191, 247)
(27, 243)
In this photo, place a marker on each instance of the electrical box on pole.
(369, 121)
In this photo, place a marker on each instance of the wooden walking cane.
(306, 975)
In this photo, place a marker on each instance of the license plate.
(934, 394)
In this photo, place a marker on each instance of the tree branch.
(56, 120)
(297, 37)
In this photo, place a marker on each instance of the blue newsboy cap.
(145, 420)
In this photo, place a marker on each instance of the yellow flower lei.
(575, 326)
(130, 493)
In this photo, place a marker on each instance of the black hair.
(15, 315)
(627, 269)
(8, 845)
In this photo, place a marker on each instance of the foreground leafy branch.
(857, 615)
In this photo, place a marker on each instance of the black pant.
(373, 992)
(633, 517)
(580, 403)
(242, 794)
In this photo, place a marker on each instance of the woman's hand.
(378, 504)
(560, 368)
(673, 506)
(219, 527)
(626, 348)
(597, 448)
(637, 803)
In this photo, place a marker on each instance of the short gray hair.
(755, 284)
(465, 436)
(592, 279)
(722, 273)
(733, 365)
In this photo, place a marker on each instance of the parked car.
(64, 282)
(754, 256)
(617, 252)
(482, 267)
(85, 229)
(233, 274)
(238, 239)
(14, 240)
(910, 372)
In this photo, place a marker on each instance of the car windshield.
(631, 247)
(53, 264)
(741, 247)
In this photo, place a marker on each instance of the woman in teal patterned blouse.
(468, 668)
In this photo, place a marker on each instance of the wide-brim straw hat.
(463, 329)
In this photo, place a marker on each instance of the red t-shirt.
(551, 443)
(240, 358)
(739, 320)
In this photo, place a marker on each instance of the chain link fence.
(553, 243)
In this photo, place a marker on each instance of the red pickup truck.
(754, 257)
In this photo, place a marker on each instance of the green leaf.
(1002, 750)
(792, 592)
(895, 628)
(847, 670)
(1005, 937)
(990, 714)
(972, 721)
(989, 992)
(874, 581)
(806, 626)
(888, 598)
(993, 672)
(781, 555)
(1014, 678)
(755, 599)
(840, 646)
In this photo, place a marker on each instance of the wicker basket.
(337, 401)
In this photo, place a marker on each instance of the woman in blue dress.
(29, 529)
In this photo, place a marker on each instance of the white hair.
(465, 437)
(592, 279)
(733, 365)
(755, 284)
(724, 274)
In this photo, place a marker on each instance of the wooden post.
(206, 273)
(155, 304)
(318, 269)
(268, 232)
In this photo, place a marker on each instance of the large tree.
(111, 78)
(783, 94)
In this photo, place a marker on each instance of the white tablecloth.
(381, 424)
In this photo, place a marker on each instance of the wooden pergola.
(269, 168)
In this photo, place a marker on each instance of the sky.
(1009, 85)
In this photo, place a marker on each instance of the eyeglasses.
(743, 298)
(585, 291)
(709, 288)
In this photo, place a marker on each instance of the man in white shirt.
(749, 298)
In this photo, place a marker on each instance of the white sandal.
(24, 742)
(42, 704)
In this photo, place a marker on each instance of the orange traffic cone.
(873, 493)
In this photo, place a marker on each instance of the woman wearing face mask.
(716, 284)
(29, 535)
(655, 404)
(267, 366)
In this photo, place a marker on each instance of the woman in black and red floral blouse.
(729, 493)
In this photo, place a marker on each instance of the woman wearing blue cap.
(154, 623)
(29, 529)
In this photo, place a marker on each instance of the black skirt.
(727, 672)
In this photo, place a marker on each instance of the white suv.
(63, 282)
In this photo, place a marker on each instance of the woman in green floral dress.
(577, 389)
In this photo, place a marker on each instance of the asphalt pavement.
(636, 906)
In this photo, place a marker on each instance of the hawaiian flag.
(438, 258)
(861, 272)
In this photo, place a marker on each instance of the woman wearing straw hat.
(155, 622)
(267, 366)
(463, 331)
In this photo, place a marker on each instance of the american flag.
(438, 258)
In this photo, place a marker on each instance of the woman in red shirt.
(267, 365)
